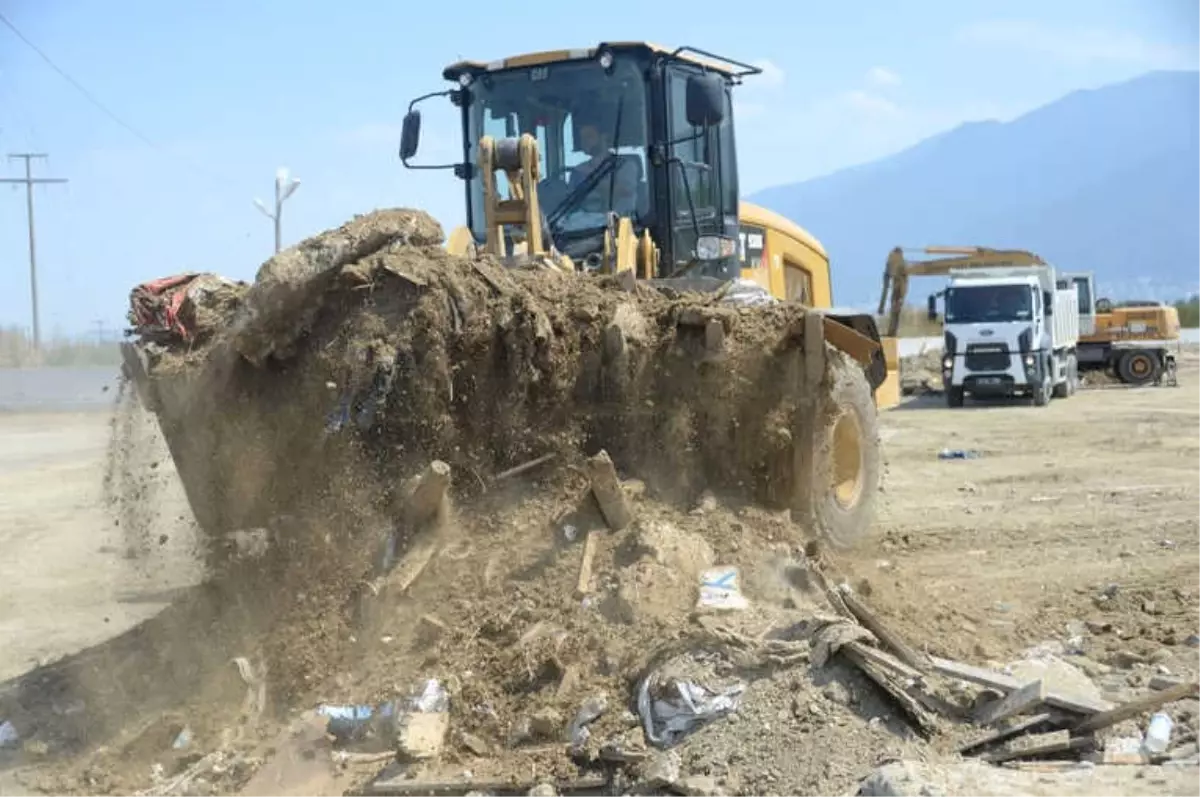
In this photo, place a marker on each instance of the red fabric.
(154, 305)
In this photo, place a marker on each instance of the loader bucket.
(362, 354)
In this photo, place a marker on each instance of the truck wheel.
(1066, 388)
(846, 458)
(1139, 367)
(954, 397)
(1043, 392)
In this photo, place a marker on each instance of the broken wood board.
(888, 661)
(584, 584)
(409, 569)
(1009, 730)
(400, 786)
(882, 632)
(1038, 745)
(922, 719)
(1018, 701)
(428, 494)
(1133, 708)
(614, 505)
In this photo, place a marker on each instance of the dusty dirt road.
(70, 580)
(984, 557)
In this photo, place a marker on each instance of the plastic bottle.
(1158, 734)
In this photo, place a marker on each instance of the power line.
(78, 87)
(30, 181)
(101, 106)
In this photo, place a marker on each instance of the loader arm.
(899, 269)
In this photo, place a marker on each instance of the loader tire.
(846, 458)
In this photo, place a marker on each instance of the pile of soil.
(921, 373)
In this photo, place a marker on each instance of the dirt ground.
(70, 579)
(1074, 529)
(986, 556)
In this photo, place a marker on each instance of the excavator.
(620, 159)
(1132, 340)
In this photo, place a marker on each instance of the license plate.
(989, 380)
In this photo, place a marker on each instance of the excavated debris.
(391, 451)
(372, 338)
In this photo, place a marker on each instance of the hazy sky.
(220, 94)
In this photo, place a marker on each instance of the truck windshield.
(988, 303)
(584, 119)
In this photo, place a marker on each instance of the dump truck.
(1009, 332)
(609, 291)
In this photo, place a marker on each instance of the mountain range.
(1104, 180)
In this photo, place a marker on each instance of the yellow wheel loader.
(621, 159)
(609, 291)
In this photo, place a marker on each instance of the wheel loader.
(608, 291)
(621, 158)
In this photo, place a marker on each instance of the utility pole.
(284, 188)
(30, 181)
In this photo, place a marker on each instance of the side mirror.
(931, 312)
(410, 135)
(1048, 303)
(705, 99)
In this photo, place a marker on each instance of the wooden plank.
(911, 707)
(584, 584)
(427, 496)
(404, 787)
(1041, 745)
(887, 636)
(1009, 730)
(886, 660)
(1133, 708)
(607, 488)
(1028, 697)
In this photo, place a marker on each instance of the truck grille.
(987, 357)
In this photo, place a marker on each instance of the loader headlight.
(464, 79)
(606, 59)
(715, 247)
(1028, 360)
(947, 363)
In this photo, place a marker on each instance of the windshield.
(989, 303)
(585, 120)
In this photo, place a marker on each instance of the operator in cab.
(596, 142)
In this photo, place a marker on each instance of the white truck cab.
(1008, 332)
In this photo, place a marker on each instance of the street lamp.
(284, 187)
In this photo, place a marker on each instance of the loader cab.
(630, 130)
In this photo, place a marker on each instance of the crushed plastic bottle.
(1158, 734)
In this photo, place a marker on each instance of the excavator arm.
(948, 258)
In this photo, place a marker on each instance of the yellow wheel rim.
(847, 476)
